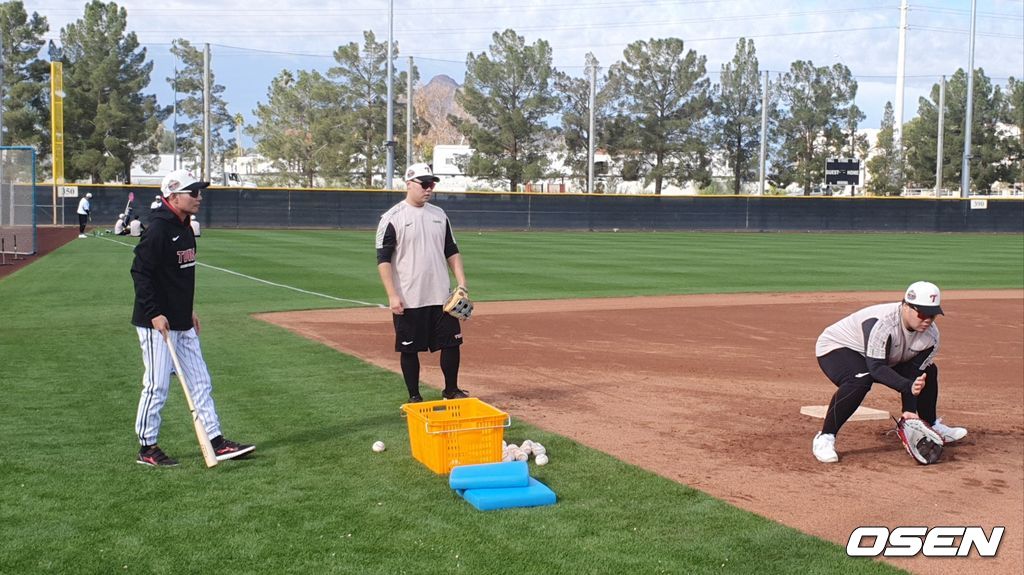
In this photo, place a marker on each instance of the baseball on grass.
(541, 459)
(378, 446)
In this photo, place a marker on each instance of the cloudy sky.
(253, 40)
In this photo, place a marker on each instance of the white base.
(862, 414)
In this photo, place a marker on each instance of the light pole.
(965, 176)
(390, 143)
(174, 124)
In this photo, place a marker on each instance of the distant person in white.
(119, 226)
(894, 344)
(84, 207)
(136, 227)
(195, 227)
(157, 203)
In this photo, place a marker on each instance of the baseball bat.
(204, 439)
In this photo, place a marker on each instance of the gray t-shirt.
(422, 240)
(868, 330)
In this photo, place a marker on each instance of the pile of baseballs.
(522, 452)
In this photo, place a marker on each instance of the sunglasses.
(193, 193)
(922, 315)
(426, 185)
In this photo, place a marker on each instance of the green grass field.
(316, 499)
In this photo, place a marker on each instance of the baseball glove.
(921, 441)
(458, 304)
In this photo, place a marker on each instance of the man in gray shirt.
(894, 344)
(415, 250)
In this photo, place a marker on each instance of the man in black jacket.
(164, 276)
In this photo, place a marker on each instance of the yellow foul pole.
(57, 128)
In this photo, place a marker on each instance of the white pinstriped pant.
(156, 381)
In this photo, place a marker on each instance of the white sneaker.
(82, 236)
(949, 434)
(824, 448)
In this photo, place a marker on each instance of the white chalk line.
(267, 282)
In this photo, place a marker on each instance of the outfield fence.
(357, 209)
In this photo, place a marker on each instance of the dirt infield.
(707, 390)
(48, 238)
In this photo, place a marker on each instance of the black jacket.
(164, 272)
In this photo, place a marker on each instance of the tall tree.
(238, 121)
(24, 90)
(1013, 115)
(737, 113)
(187, 83)
(987, 149)
(818, 110)
(574, 94)
(361, 76)
(508, 93)
(297, 129)
(666, 104)
(884, 165)
(108, 122)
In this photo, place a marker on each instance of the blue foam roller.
(490, 475)
(535, 494)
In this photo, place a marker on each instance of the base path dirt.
(706, 390)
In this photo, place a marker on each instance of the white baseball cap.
(180, 181)
(88, 196)
(422, 172)
(925, 297)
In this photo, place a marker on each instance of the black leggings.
(450, 359)
(842, 367)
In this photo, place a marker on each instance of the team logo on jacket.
(187, 258)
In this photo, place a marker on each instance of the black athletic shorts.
(426, 328)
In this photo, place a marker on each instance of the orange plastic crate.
(447, 433)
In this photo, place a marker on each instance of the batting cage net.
(17, 201)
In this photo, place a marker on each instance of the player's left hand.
(459, 305)
(195, 322)
(922, 442)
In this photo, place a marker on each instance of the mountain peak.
(442, 79)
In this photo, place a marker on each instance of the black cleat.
(226, 449)
(415, 398)
(153, 456)
(454, 394)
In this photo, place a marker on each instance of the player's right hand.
(160, 324)
(918, 384)
(395, 303)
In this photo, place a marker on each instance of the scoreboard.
(842, 172)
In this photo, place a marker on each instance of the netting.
(17, 200)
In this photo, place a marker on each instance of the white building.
(235, 171)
